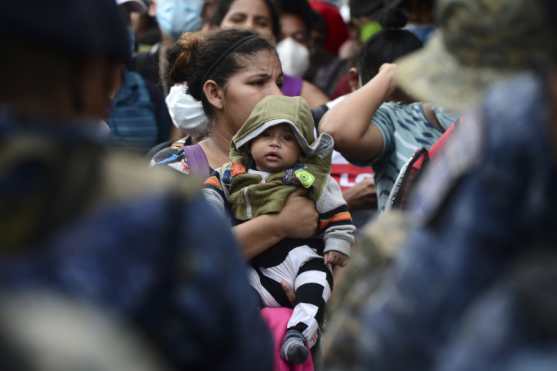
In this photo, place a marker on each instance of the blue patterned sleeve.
(445, 118)
(211, 320)
(383, 120)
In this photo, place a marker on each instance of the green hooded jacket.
(249, 196)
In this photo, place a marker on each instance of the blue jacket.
(482, 205)
(142, 244)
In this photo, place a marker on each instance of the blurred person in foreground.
(97, 226)
(485, 204)
(43, 331)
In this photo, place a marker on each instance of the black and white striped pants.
(305, 271)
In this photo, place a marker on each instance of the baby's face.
(276, 149)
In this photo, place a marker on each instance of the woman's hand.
(388, 71)
(361, 195)
(298, 217)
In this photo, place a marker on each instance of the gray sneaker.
(293, 349)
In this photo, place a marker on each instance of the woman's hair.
(198, 57)
(224, 6)
(385, 47)
(390, 14)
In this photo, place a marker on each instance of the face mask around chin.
(294, 57)
(186, 112)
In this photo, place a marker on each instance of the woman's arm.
(348, 121)
(298, 219)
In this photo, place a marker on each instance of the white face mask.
(186, 112)
(294, 57)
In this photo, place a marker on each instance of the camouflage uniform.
(143, 244)
(377, 244)
(483, 201)
(479, 42)
(467, 234)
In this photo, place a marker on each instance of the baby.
(274, 154)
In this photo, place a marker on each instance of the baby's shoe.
(293, 349)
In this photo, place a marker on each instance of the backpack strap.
(292, 86)
(432, 117)
(197, 160)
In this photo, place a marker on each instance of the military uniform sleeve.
(449, 260)
(212, 319)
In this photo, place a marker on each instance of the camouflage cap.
(478, 42)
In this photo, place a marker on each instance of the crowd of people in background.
(276, 185)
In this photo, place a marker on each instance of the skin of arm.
(348, 122)
(298, 219)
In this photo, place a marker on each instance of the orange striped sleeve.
(343, 216)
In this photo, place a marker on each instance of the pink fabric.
(276, 319)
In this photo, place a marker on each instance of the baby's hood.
(275, 110)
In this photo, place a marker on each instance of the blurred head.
(478, 43)
(302, 32)
(371, 16)
(228, 71)
(385, 47)
(298, 21)
(419, 11)
(178, 16)
(260, 16)
(49, 72)
(207, 13)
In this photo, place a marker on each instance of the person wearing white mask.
(261, 16)
(174, 18)
(294, 56)
(301, 46)
(178, 16)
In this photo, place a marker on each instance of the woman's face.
(260, 77)
(251, 15)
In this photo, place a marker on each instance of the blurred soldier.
(98, 226)
(484, 200)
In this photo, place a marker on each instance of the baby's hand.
(335, 258)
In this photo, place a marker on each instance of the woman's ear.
(214, 94)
